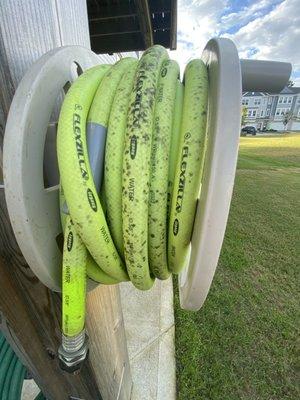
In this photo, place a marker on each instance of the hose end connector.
(73, 351)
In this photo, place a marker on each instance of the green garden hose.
(12, 373)
(138, 225)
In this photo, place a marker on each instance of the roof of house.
(254, 94)
(286, 90)
(127, 25)
(294, 90)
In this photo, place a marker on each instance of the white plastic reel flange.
(33, 210)
(224, 122)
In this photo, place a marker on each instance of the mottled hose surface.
(139, 227)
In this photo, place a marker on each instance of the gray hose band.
(96, 138)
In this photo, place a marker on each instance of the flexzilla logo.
(70, 241)
(133, 147)
(175, 226)
(91, 200)
(79, 144)
(164, 72)
(182, 178)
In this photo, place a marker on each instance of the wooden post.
(29, 312)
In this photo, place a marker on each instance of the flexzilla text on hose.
(155, 129)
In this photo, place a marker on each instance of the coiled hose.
(12, 373)
(137, 225)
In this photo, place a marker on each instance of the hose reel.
(34, 210)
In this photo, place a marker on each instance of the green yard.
(243, 343)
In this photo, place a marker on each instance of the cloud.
(296, 78)
(197, 23)
(266, 29)
(275, 36)
(297, 82)
(246, 14)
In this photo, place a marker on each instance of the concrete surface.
(30, 390)
(149, 326)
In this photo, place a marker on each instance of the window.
(290, 100)
(251, 113)
(284, 100)
(245, 102)
(280, 100)
(256, 102)
(262, 113)
(282, 111)
(268, 112)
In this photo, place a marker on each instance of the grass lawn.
(243, 343)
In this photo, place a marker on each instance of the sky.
(265, 30)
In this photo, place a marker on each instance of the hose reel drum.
(34, 209)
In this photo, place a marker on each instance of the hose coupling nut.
(73, 351)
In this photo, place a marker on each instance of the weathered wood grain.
(108, 298)
(29, 315)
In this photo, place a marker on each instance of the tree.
(244, 115)
(286, 118)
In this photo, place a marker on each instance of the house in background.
(258, 106)
(267, 111)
